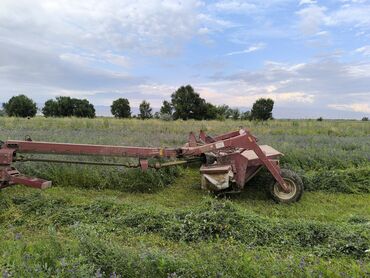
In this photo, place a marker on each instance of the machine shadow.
(251, 192)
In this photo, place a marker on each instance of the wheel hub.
(292, 188)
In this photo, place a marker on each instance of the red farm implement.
(229, 161)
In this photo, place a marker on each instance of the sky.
(311, 57)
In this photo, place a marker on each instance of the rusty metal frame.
(226, 147)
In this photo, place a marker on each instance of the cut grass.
(104, 221)
(72, 232)
(96, 228)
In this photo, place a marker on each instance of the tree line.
(184, 104)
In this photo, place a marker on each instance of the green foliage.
(351, 180)
(365, 119)
(157, 115)
(166, 117)
(246, 115)
(83, 109)
(145, 110)
(51, 108)
(215, 220)
(262, 109)
(120, 108)
(210, 112)
(188, 104)
(166, 108)
(107, 238)
(68, 107)
(20, 106)
(128, 180)
(43, 258)
(235, 115)
(225, 112)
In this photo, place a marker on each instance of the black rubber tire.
(294, 180)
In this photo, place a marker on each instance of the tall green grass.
(328, 151)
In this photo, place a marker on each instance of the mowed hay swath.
(97, 221)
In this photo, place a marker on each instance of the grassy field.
(112, 222)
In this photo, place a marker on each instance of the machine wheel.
(295, 184)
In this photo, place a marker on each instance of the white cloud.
(356, 107)
(315, 83)
(233, 6)
(250, 49)
(72, 46)
(353, 15)
(311, 19)
(203, 31)
(213, 23)
(25, 66)
(307, 2)
(100, 50)
(155, 27)
(359, 70)
(241, 93)
(364, 50)
(118, 60)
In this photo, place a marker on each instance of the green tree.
(145, 110)
(235, 114)
(65, 106)
(210, 112)
(246, 115)
(20, 106)
(50, 108)
(262, 109)
(224, 112)
(82, 108)
(188, 104)
(157, 115)
(68, 107)
(120, 108)
(166, 108)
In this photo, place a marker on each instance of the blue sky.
(311, 57)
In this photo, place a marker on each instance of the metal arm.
(236, 142)
(85, 149)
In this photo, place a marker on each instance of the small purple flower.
(18, 236)
(302, 263)
(6, 274)
(98, 274)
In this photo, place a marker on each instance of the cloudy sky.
(311, 57)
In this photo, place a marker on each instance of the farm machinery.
(229, 161)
